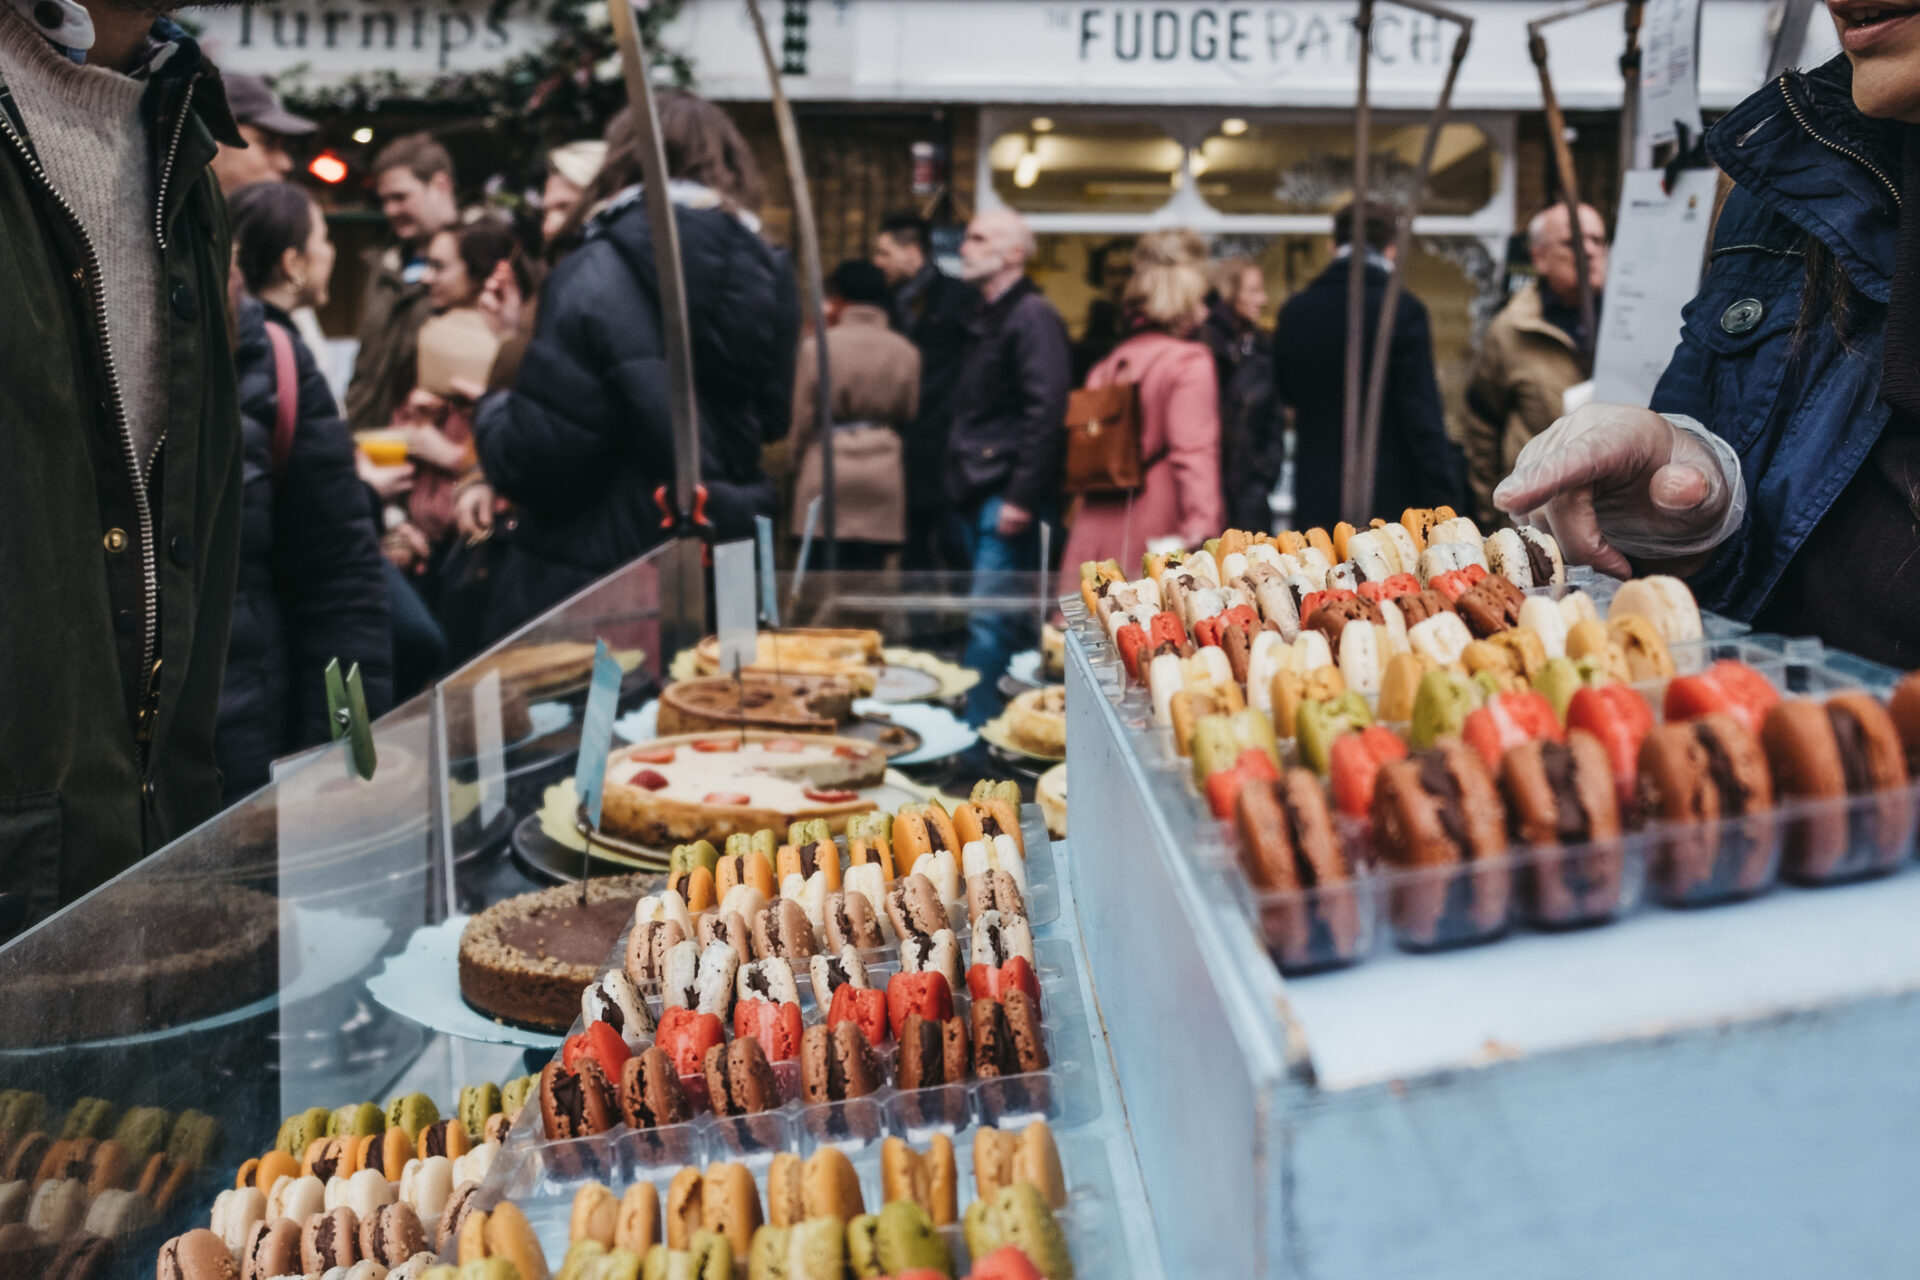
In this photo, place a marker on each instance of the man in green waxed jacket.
(120, 495)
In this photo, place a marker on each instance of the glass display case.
(1659, 1091)
(298, 952)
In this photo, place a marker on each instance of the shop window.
(1294, 168)
(1085, 167)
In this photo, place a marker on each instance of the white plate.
(942, 733)
(1025, 667)
(422, 984)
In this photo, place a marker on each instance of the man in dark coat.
(932, 309)
(1005, 450)
(1417, 465)
(586, 435)
(119, 503)
(312, 587)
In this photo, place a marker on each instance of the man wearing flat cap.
(266, 125)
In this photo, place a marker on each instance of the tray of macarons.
(358, 1192)
(902, 1004)
(1483, 744)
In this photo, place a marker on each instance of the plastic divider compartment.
(1602, 588)
(1090, 1219)
(1702, 864)
(1842, 839)
(1064, 1093)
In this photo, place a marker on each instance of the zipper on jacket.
(1801, 119)
(96, 297)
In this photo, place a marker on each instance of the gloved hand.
(1610, 481)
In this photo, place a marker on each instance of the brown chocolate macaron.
(837, 1063)
(330, 1240)
(1288, 845)
(650, 1092)
(271, 1249)
(1562, 793)
(994, 891)
(782, 929)
(454, 1216)
(1490, 606)
(1904, 706)
(740, 1080)
(1417, 606)
(392, 1234)
(1847, 746)
(576, 1103)
(851, 922)
(1007, 1040)
(1435, 811)
(647, 947)
(82, 1257)
(1695, 775)
(1332, 619)
(932, 1052)
(197, 1255)
(914, 906)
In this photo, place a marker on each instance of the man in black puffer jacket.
(586, 435)
(310, 584)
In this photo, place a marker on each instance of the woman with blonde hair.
(1165, 304)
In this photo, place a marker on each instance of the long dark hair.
(484, 245)
(702, 146)
(268, 219)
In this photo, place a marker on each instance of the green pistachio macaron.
(477, 1102)
(142, 1131)
(905, 1238)
(90, 1118)
(195, 1139)
(412, 1112)
(1440, 707)
(359, 1120)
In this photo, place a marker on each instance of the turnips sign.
(336, 39)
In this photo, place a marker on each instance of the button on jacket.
(107, 638)
(1010, 403)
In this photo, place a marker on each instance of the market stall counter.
(266, 1019)
(1672, 1047)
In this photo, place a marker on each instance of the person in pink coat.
(1180, 415)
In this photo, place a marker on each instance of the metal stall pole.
(807, 232)
(1366, 461)
(1563, 165)
(1355, 501)
(683, 594)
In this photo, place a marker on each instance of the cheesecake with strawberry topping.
(708, 786)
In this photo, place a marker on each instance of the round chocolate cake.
(526, 960)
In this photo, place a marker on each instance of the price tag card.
(1659, 247)
(733, 605)
(488, 746)
(596, 732)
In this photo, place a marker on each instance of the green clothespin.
(347, 717)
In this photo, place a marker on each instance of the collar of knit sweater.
(66, 27)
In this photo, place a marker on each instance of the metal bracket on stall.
(347, 717)
(1360, 434)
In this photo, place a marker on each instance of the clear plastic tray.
(542, 1182)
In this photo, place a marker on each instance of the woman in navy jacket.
(1781, 471)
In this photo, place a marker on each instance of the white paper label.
(1669, 71)
(491, 751)
(733, 605)
(1658, 248)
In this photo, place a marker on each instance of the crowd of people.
(194, 525)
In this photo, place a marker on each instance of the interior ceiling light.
(363, 135)
(1042, 124)
(1233, 126)
(1026, 170)
(328, 167)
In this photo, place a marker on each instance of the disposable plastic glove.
(1611, 481)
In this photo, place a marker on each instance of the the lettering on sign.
(1269, 38)
(441, 35)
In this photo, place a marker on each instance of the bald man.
(1532, 352)
(1004, 449)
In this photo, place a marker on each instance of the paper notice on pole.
(733, 605)
(1669, 70)
(1659, 245)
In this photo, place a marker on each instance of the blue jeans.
(994, 637)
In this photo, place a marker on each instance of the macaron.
(194, 1139)
(1562, 793)
(1698, 775)
(1440, 809)
(901, 1237)
(1019, 1215)
(58, 1208)
(197, 1255)
(1002, 1158)
(142, 1131)
(271, 1249)
(426, 1185)
(273, 1166)
(392, 1234)
(412, 1112)
(118, 1214)
(453, 1216)
(90, 1118)
(477, 1102)
(83, 1257)
(926, 1178)
(358, 1120)
(514, 1094)
(1664, 601)
(1846, 746)
(511, 1237)
(330, 1240)
(636, 1225)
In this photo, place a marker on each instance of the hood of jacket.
(1804, 151)
(730, 272)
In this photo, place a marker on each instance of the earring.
(299, 284)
